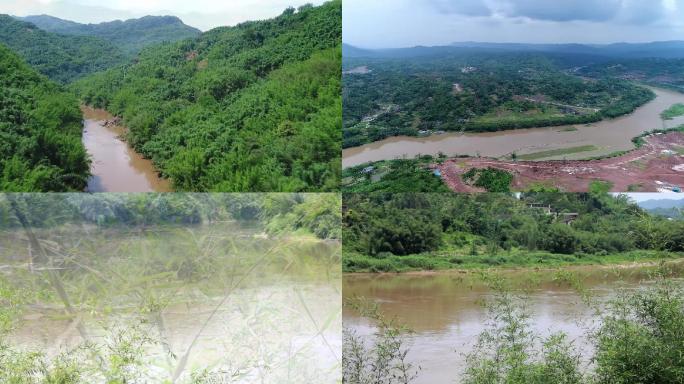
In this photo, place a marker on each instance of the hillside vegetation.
(130, 35)
(40, 132)
(385, 232)
(474, 91)
(253, 107)
(59, 57)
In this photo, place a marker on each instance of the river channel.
(606, 136)
(116, 167)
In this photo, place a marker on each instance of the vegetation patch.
(402, 175)
(420, 231)
(672, 112)
(254, 107)
(497, 91)
(40, 132)
(491, 179)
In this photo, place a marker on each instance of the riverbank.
(598, 139)
(115, 166)
(433, 263)
(447, 315)
(654, 163)
(169, 302)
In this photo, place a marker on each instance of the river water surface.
(249, 318)
(116, 167)
(607, 136)
(446, 311)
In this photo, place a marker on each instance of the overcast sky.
(202, 14)
(639, 197)
(407, 23)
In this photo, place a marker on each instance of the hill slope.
(61, 58)
(40, 132)
(255, 107)
(130, 35)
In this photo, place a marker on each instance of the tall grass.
(169, 304)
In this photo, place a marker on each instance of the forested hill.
(130, 35)
(254, 107)
(40, 132)
(61, 58)
(385, 232)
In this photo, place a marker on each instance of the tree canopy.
(255, 107)
(40, 132)
(61, 58)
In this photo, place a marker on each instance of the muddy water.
(446, 310)
(608, 136)
(279, 319)
(116, 167)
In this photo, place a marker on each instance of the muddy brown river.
(116, 167)
(447, 314)
(607, 136)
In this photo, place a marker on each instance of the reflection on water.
(116, 167)
(446, 311)
(608, 136)
(244, 307)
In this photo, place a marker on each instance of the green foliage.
(278, 213)
(661, 72)
(474, 91)
(401, 175)
(318, 214)
(61, 58)
(642, 338)
(40, 132)
(491, 179)
(255, 107)
(404, 231)
(130, 35)
(384, 360)
(505, 352)
(672, 112)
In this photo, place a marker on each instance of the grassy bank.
(358, 263)
(672, 112)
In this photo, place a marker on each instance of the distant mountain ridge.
(60, 57)
(657, 49)
(130, 35)
(661, 203)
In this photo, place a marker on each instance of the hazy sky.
(406, 23)
(639, 197)
(202, 14)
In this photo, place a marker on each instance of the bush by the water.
(443, 231)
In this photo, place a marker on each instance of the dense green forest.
(59, 57)
(278, 213)
(474, 91)
(661, 72)
(385, 232)
(255, 107)
(130, 35)
(40, 132)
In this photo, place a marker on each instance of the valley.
(116, 167)
(221, 110)
(552, 116)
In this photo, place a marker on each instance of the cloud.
(642, 12)
(562, 10)
(462, 7)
